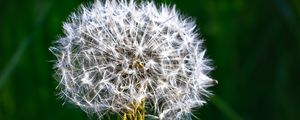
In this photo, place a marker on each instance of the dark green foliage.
(254, 45)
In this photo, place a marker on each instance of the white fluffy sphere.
(116, 53)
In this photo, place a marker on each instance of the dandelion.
(135, 60)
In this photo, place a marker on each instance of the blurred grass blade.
(13, 61)
(225, 108)
(42, 14)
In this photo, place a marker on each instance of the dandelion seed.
(131, 59)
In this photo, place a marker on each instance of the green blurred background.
(254, 44)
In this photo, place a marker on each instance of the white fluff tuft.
(118, 52)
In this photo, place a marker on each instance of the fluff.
(116, 53)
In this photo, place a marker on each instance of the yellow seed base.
(138, 113)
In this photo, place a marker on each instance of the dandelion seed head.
(115, 53)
